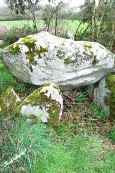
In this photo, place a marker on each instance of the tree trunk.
(113, 31)
(56, 20)
(34, 21)
(93, 20)
(78, 28)
(99, 27)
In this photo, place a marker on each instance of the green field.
(65, 24)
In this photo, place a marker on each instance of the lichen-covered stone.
(111, 102)
(1, 43)
(44, 58)
(9, 101)
(45, 103)
(104, 95)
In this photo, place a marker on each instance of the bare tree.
(93, 19)
(48, 15)
(24, 7)
(58, 7)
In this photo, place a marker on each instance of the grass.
(50, 151)
(66, 24)
(19, 23)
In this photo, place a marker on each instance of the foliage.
(48, 14)
(106, 27)
(12, 35)
(112, 134)
(6, 78)
(23, 7)
(93, 109)
(82, 97)
(97, 112)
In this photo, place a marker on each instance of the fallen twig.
(7, 163)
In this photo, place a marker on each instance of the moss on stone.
(87, 46)
(54, 112)
(95, 61)
(29, 42)
(111, 84)
(40, 51)
(67, 60)
(14, 49)
(63, 44)
(92, 53)
(9, 101)
(60, 53)
(39, 98)
(33, 51)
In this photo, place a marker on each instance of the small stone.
(104, 95)
(1, 43)
(45, 104)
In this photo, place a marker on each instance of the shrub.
(2, 30)
(82, 97)
(12, 35)
(6, 78)
(97, 112)
(112, 134)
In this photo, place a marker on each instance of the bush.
(97, 112)
(112, 134)
(6, 78)
(12, 35)
(2, 30)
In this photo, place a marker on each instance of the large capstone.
(45, 104)
(44, 58)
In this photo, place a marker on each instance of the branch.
(7, 163)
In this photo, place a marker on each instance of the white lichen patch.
(23, 48)
(29, 110)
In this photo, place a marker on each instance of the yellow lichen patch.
(33, 50)
(92, 53)
(111, 102)
(9, 101)
(14, 49)
(29, 42)
(87, 46)
(60, 53)
(67, 60)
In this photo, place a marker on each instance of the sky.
(72, 2)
